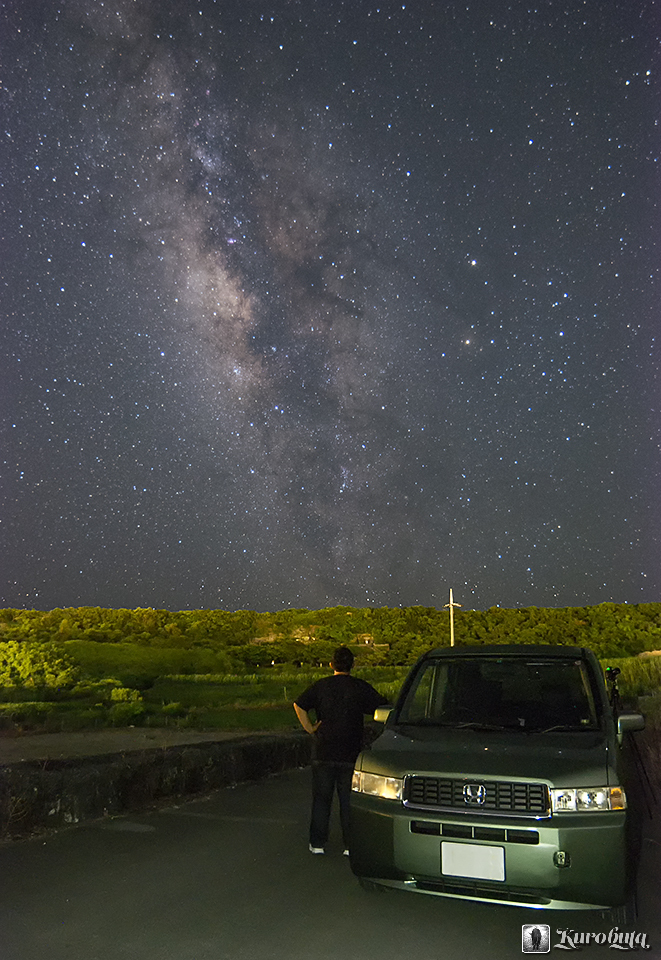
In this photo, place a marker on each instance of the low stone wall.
(46, 794)
(41, 795)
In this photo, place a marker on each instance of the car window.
(533, 694)
(419, 703)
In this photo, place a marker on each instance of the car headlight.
(584, 799)
(390, 788)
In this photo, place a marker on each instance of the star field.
(313, 303)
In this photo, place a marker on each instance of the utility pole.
(452, 605)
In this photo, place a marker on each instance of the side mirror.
(381, 714)
(629, 723)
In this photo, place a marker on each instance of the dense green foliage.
(82, 667)
(394, 635)
(36, 665)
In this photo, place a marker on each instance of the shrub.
(27, 712)
(125, 695)
(99, 691)
(123, 714)
(31, 664)
(86, 718)
(173, 710)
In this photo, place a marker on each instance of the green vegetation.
(42, 666)
(76, 668)
(638, 675)
(390, 635)
(138, 665)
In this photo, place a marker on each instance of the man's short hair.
(342, 660)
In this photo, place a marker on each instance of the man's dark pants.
(327, 776)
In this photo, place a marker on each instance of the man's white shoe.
(316, 849)
(346, 853)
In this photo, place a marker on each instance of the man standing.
(339, 703)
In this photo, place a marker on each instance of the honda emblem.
(475, 793)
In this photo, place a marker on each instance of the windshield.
(492, 693)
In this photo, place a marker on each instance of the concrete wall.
(42, 795)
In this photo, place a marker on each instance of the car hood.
(561, 759)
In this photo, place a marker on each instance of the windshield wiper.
(475, 725)
(424, 722)
(568, 727)
(430, 722)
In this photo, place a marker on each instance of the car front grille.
(501, 797)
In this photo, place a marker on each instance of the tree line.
(382, 635)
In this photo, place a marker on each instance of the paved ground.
(229, 877)
(92, 743)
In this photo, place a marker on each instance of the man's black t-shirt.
(339, 703)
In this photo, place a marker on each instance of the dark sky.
(320, 302)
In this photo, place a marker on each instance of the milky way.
(318, 303)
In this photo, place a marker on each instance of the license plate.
(472, 860)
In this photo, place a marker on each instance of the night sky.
(320, 302)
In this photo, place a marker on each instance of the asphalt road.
(229, 877)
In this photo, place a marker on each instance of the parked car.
(498, 777)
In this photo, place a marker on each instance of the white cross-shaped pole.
(452, 605)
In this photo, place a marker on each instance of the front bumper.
(399, 847)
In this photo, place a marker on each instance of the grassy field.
(136, 664)
(638, 675)
(265, 689)
(130, 685)
(258, 701)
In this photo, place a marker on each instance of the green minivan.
(498, 777)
